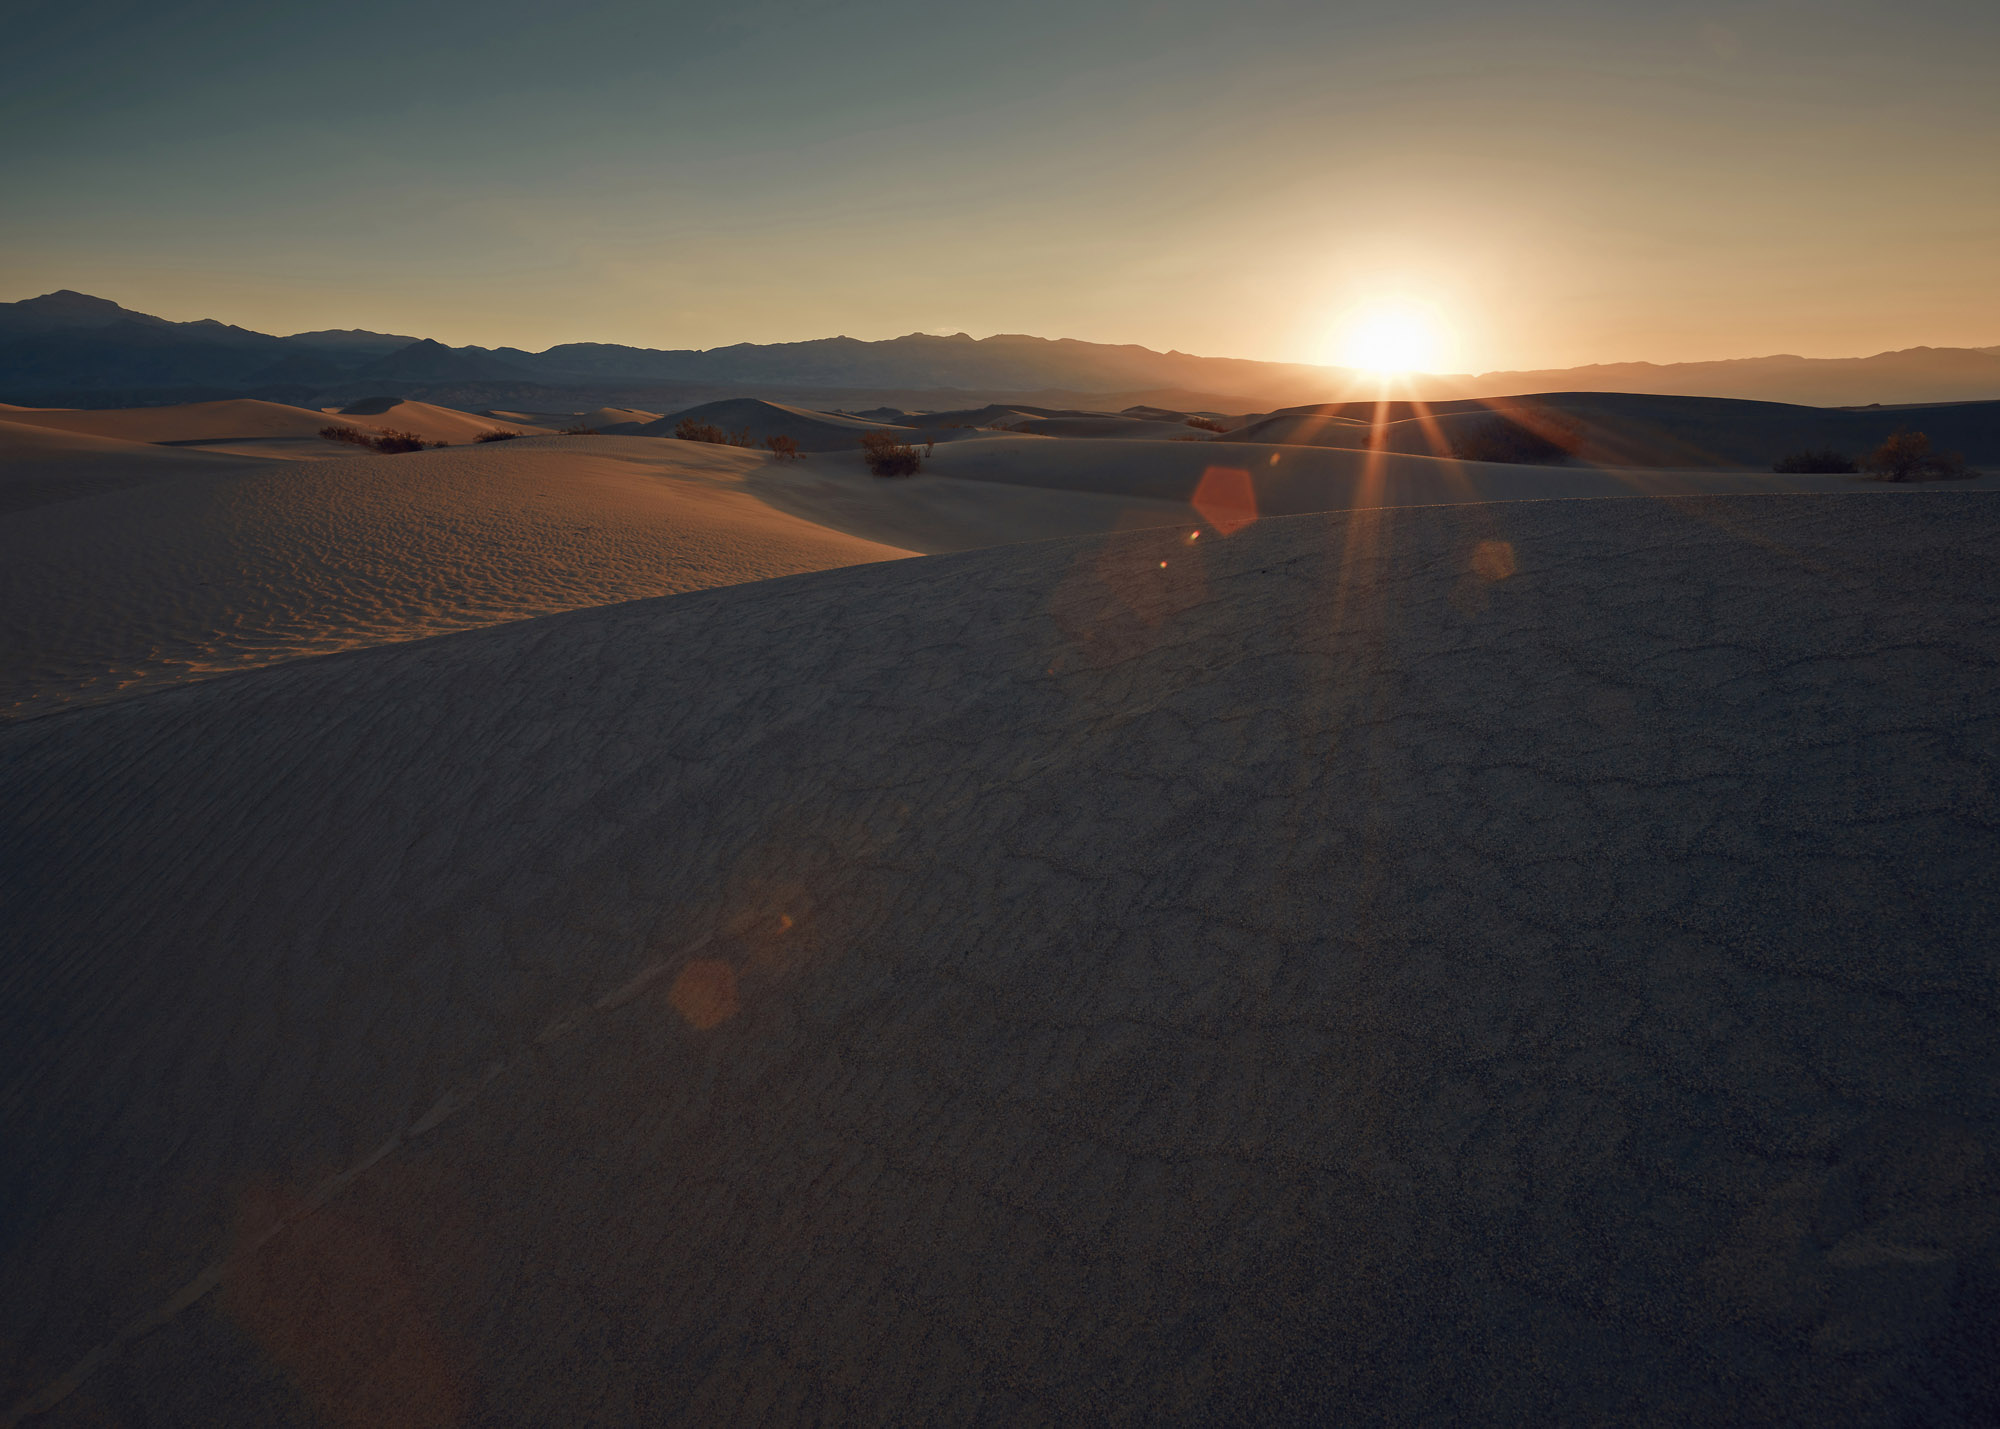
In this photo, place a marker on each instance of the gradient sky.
(1562, 182)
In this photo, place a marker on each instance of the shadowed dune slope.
(257, 562)
(1516, 963)
(40, 466)
(1289, 481)
(1633, 428)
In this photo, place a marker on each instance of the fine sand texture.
(262, 562)
(40, 466)
(1526, 963)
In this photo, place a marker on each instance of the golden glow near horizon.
(1392, 336)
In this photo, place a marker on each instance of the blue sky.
(1551, 183)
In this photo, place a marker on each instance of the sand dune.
(813, 431)
(196, 422)
(619, 421)
(1632, 429)
(1103, 428)
(1285, 481)
(1511, 963)
(256, 563)
(432, 423)
(41, 465)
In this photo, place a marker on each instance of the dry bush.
(389, 442)
(741, 438)
(888, 455)
(1206, 424)
(1187, 437)
(1814, 461)
(689, 430)
(783, 448)
(577, 431)
(496, 436)
(1908, 456)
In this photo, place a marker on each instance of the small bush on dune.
(388, 443)
(1814, 461)
(1206, 424)
(783, 448)
(1187, 437)
(689, 430)
(888, 455)
(577, 431)
(496, 436)
(741, 438)
(1908, 456)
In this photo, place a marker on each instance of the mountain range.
(71, 349)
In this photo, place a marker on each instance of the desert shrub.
(689, 430)
(578, 431)
(1814, 461)
(783, 448)
(741, 438)
(496, 436)
(1206, 424)
(1508, 442)
(888, 455)
(388, 442)
(1908, 456)
(1187, 437)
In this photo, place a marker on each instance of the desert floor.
(1451, 955)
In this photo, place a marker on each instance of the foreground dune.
(263, 562)
(40, 465)
(1508, 963)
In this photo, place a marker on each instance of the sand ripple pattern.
(196, 577)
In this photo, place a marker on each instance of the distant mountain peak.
(66, 307)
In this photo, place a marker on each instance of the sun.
(1388, 338)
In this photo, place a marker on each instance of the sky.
(1518, 185)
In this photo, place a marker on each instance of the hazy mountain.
(1916, 374)
(75, 349)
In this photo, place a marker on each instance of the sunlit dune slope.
(262, 562)
(42, 465)
(1512, 963)
(189, 424)
(424, 419)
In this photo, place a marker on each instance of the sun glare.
(1392, 338)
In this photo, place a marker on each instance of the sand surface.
(196, 422)
(425, 419)
(1515, 963)
(40, 465)
(1291, 480)
(258, 562)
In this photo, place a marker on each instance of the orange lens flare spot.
(1493, 560)
(1226, 498)
(705, 993)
